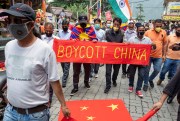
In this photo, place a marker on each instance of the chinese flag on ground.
(97, 110)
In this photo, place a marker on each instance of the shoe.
(159, 82)
(123, 76)
(96, 76)
(139, 94)
(106, 90)
(73, 91)
(130, 89)
(86, 84)
(114, 84)
(169, 100)
(151, 84)
(145, 88)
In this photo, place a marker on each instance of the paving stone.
(135, 105)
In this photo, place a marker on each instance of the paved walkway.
(136, 106)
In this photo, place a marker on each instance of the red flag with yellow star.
(98, 110)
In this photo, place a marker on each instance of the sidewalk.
(136, 106)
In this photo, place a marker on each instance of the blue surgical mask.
(97, 26)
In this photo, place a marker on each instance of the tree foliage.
(80, 6)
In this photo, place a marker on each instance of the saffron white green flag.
(121, 9)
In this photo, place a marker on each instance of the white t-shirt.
(49, 40)
(29, 71)
(100, 34)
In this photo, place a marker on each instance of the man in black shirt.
(113, 35)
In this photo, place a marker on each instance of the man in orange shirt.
(158, 37)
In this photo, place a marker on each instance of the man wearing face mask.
(100, 34)
(130, 32)
(138, 39)
(65, 34)
(113, 35)
(172, 58)
(108, 25)
(48, 38)
(82, 32)
(30, 66)
(158, 37)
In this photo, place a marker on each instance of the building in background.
(172, 10)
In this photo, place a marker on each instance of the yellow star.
(113, 107)
(90, 118)
(84, 108)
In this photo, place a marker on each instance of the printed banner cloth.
(101, 52)
(100, 110)
(97, 110)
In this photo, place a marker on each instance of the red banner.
(101, 52)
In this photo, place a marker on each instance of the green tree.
(140, 16)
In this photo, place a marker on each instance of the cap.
(20, 10)
(82, 19)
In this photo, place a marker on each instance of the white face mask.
(108, 25)
(19, 31)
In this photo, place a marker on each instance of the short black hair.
(158, 21)
(140, 26)
(97, 19)
(65, 22)
(117, 19)
(49, 24)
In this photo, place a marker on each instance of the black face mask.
(177, 34)
(65, 29)
(49, 34)
(83, 25)
(141, 33)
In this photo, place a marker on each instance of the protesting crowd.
(32, 69)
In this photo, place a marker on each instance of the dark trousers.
(65, 68)
(77, 68)
(132, 72)
(108, 73)
(94, 68)
(124, 70)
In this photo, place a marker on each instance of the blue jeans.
(169, 65)
(157, 62)
(12, 115)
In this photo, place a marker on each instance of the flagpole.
(100, 9)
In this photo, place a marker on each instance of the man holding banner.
(82, 32)
(113, 35)
(138, 39)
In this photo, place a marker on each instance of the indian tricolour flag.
(121, 9)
